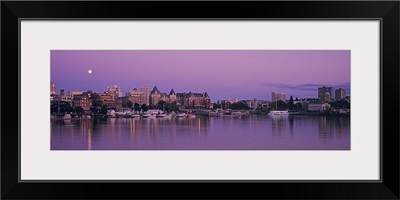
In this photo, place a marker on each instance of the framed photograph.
(222, 96)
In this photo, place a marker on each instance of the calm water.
(252, 132)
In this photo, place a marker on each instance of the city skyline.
(223, 74)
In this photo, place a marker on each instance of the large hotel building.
(113, 97)
(149, 96)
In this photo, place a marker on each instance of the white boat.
(152, 116)
(181, 115)
(148, 115)
(236, 113)
(279, 112)
(135, 115)
(67, 116)
(191, 116)
(161, 115)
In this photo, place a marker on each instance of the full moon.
(90, 71)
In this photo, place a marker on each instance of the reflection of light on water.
(132, 129)
(112, 125)
(254, 132)
(199, 125)
(89, 131)
(278, 125)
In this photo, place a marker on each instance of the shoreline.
(292, 114)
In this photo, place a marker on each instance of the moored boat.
(180, 115)
(162, 115)
(278, 112)
(191, 115)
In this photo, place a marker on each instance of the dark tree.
(137, 107)
(64, 107)
(129, 104)
(161, 105)
(144, 107)
(97, 103)
(172, 107)
(239, 106)
(290, 105)
(281, 105)
(215, 105)
(104, 110)
(79, 110)
(340, 104)
(298, 107)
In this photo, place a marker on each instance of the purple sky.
(245, 74)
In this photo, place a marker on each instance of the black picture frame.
(386, 11)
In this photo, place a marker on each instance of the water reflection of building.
(150, 130)
(325, 129)
(278, 124)
(341, 127)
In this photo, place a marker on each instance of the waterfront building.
(118, 104)
(67, 98)
(340, 93)
(83, 101)
(231, 101)
(172, 96)
(54, 97)
(61, 97)
(116, 90)
(164, 97)
(108, 99)
(278, 97)
(134, 99)
(52, 88)
(194, 100)
(75, 92)
(146, 93)
(253, 104)
(325, 94)
(264, 104)
(135, 92)
(318, 106)
(135, 96)
(155, 96)
(185, 100)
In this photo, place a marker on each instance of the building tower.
(340, 93)
(325, 93)
(278, 96)
(52, 88)
(146, 92)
